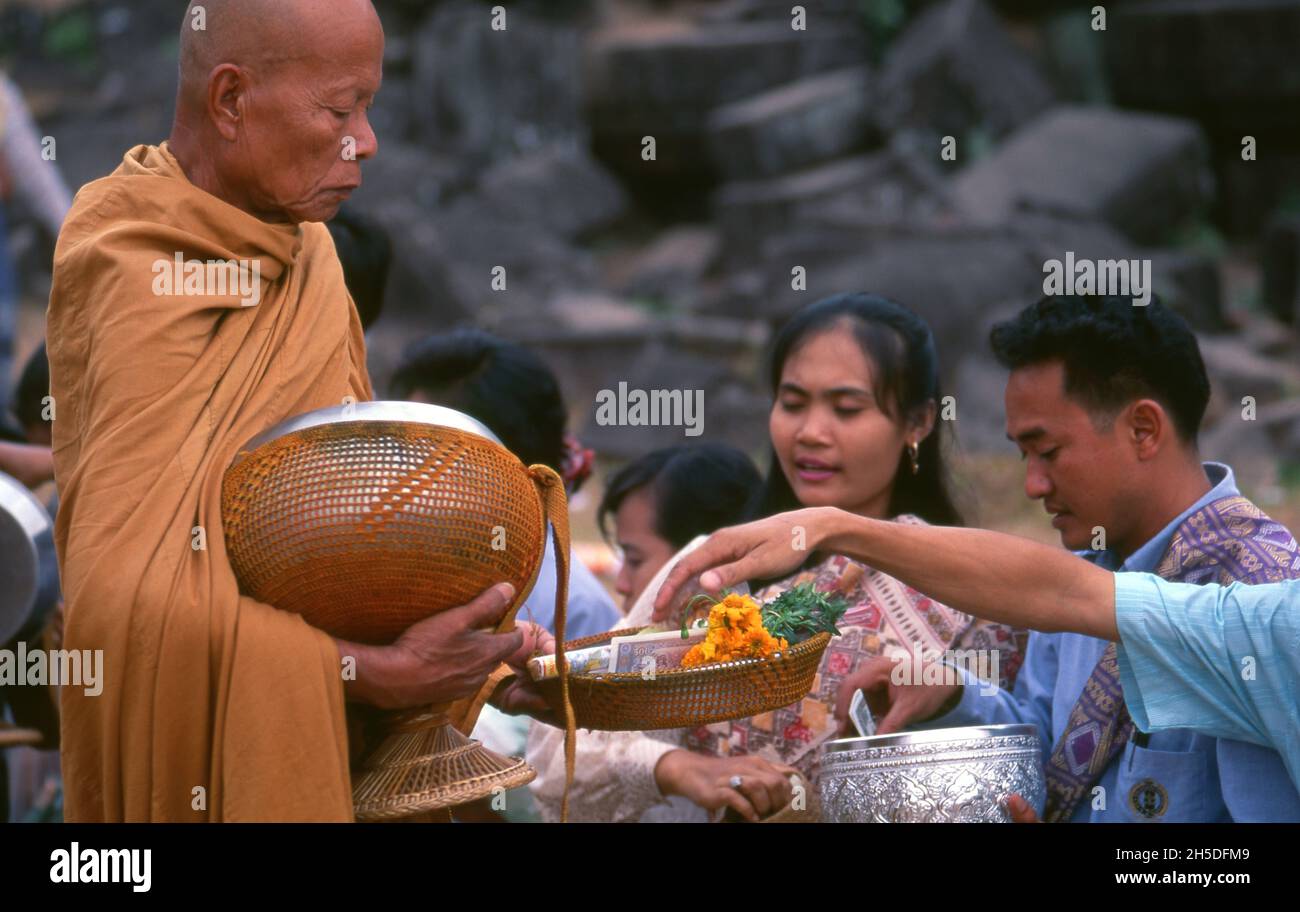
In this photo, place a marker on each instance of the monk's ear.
(1148, 426)
(226, 87)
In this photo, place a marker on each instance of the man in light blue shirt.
(1104, 401)
(1057, 666)
(1224, 660)
(1220, 660)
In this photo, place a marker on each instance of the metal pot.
(380, 410)
(29, 573)
(949, 775)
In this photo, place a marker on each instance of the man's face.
(1082, 474)
(305, 129)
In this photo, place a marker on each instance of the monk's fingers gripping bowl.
(370, 517)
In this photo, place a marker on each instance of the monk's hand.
(895, 695)
(440, 659)
(1020, 810)
(758, 550)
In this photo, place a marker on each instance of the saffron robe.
(215, 707)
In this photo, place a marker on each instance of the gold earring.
(914, 452)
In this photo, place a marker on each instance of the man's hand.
(895, 706)
(438, 660)
(763, 787)
(767, 548)
(1020, 810)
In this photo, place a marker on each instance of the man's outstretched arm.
(988, 574)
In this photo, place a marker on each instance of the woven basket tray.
(687, 697)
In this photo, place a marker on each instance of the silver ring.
(735, 782)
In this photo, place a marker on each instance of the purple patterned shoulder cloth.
(1231, 540)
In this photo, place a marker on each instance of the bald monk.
(214, 706)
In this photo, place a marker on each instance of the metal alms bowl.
(949, 775)
(368, 517)
(29, 581)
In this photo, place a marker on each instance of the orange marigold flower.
(735, 630)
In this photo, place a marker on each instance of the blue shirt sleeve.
(1223, 660)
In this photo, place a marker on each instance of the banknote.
(652, 652)
(860, 715)
(581, 661)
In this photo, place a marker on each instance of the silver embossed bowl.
(947, 775)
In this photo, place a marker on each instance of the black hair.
(33, 386)
(1113, 352)
(901, 348)
(697, 489)
(366, 253)
(503, 385)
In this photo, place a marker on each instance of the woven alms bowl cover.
(368, 518)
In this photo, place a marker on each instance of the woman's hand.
(751, 786)
(766, 548)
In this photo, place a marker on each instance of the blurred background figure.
(661, 501)
(29, 404)
(28, 178)
(366, 254)
(25, 431)
(29, 775)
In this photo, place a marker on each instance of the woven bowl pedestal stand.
(425, 764)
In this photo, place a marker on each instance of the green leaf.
(803, 612)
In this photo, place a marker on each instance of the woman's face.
(644, 552)
(836, 446)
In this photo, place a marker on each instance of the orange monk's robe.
(214, 706)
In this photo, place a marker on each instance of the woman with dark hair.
(856, 386)
(858, 337)
(663, 500)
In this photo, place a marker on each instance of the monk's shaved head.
(260, 34)
(272, 101)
